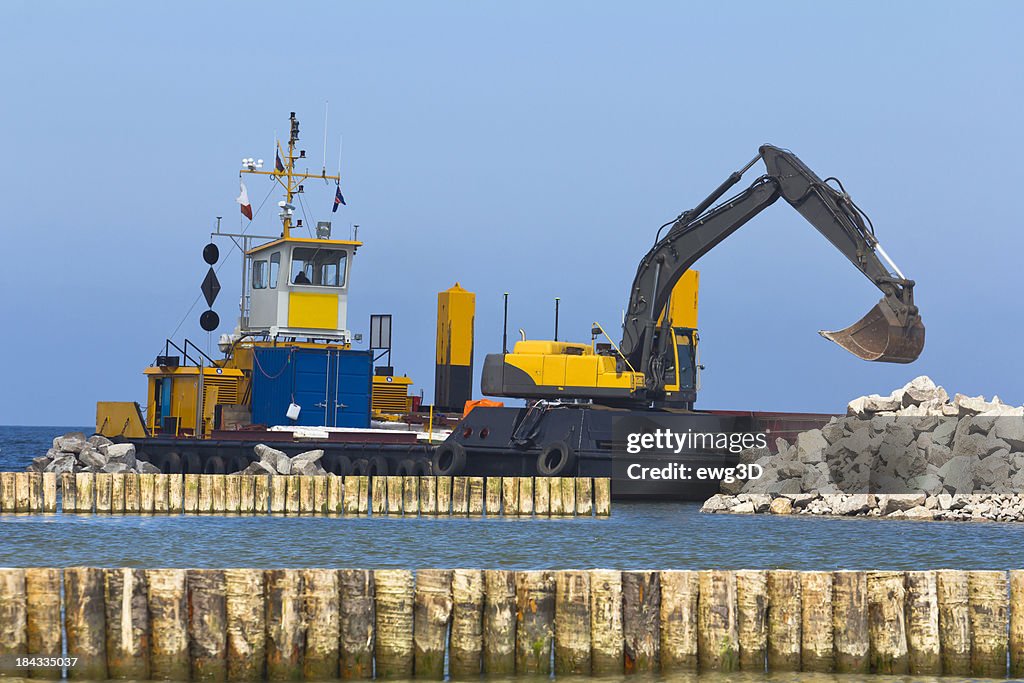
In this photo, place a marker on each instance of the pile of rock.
(273, 461)
(74, 452)
(950, 458)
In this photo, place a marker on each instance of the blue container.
(331, 386)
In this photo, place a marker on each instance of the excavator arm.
(891, 332)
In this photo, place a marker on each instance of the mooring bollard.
(886, 628)
(492, 494)
(525, 496)
(168, 618)
(43, 627)
(127, 623)
(356, 623)
(641, 621)
(987, 608)
(411, 496)
(476, 496)
(784, 615)
(1017, 623)
(285, 625)
(393, 589)
(510, 496)
(816, 644)
(752, 619)
(850, 621)
(466, 648)
(924, 656)
(572, 623)
(535, 620)
(245, 609)
(432, 609)
(718, 638)
(84, 622)
(323, 624)
(13, 618)
(499, 629)
(460, 495)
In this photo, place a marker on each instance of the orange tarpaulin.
(482, 402)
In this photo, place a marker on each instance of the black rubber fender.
(449, 459)
(421, 467)
(214, 465)
(361, 467)
(406, 468)
(377, 466)
(556, 459)
(339, 465)
(172, 464)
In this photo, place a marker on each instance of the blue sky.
(528, 147)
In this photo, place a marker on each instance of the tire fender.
(556, 459)
(449, 459)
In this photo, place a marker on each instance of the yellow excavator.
(655, 365)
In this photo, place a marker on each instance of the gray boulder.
(39, 464)
(96, 441)
(958, 474)
(72, 442)
(123, 453)
(113, 467)
(147, 468)
(277, 460)
(921, 390)
(92, 457)
(259, 467)
(307, 457)
(304, 468)
(62, 464)
(1010, 430)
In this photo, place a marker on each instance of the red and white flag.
(243, 200)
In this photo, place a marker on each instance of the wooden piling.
(542, 496)
(176, 493)
(320, 494)
(379, 495)
(886, 627)
(220, 485)
(161, 492)
(525, 496)
(306, 492)
(84, 622)
(492, 501)
(987, 608)
(568, 495)
(205, 494)
(246, 494)
(924, 656)
(510, 496)
(284, 620)
(132, 494)
(117, 499)
(335, 494)
(1016, 638)
(233, 493)
(104, 482)
(572, 623)
(499, 626)
(278, 493)
(84, 491)
(394, 485)
(245, 609)
(7, 492)
(363, 498)
(127, 623)
(67, 491)
(466, 648)
(476, 496)
(460, 495)
(323, 623)
(43, 627)
(147, 485)
(292, 494)
(168, 619)
(191, 493)
(602, 496)
(393, 650)
(717, 635)
(816, 644)
(261, 494)
(411, 496)
(535, 621)
(585, 496)
(14, 621)
(444, 495)
(954, 622)
(752, 619)
(428, 496)
(356, 623)
(432, 610)
(850, 622)
(641, 621)
(784, 617)
(207, 624)
(22, 492)
(35, 491)
(606, 636)
(350, 501)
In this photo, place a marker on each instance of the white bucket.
(293, 411)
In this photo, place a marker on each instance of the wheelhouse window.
(259, 274)
(318, 267)
(275, 267)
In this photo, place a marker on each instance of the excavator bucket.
(879, 336)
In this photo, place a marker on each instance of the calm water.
(18, 445)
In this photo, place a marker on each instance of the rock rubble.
(74, 452)
(273, 461)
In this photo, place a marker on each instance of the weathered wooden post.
(641, 621)
(245, 608)
(850, 621)
(246, 495)
(718, 638)
(261, 494)
(323, 623)
(42, 606)
(205, 493)
(84, 622)
(147, 484)
(191, 495)
(279, 493)
(499, 629)
(103, 484)
(67, 491)
(428, 496)
(350, 501)
(460, 495)
(444, 495)
(335, 494)
(49, 491)
(233, 493)
(987, 607)
(922, 614)
(22, 492)
(466, 649)
(954, 622)
(306, 492)
(816, 644)
(432, 610)
(207, 623)
(84, 491)
(14, 620)
(285, 627)
(606, 636)
(492, 504)
(886, 628)
(168, 623)
(117, 494)
(572, 623)
(35, 492)
(784, 615)
(293, 494)
(394, 485)
(393, 651)
(8, 494)
(161, 492)
(535, 622)
(542, 496)
(411, 496)
(476, 496)
(356, 617)
(320, 494)
(127, 623)
(752, 619)
(510, 496)
(525, 496)
(584, 496)
(602, 496)
(568, 495)
(379, 495)
(132, 492)
(1017, 623)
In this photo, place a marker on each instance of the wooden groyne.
(290, 624)
(128, 493)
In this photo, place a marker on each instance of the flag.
(338, 199)
(243, 200)
(278, 166)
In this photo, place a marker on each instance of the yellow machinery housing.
(390, 396)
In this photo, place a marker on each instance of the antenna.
(323, 169)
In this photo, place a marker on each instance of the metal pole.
(504, 328)
(198, 431)
(556, 317)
